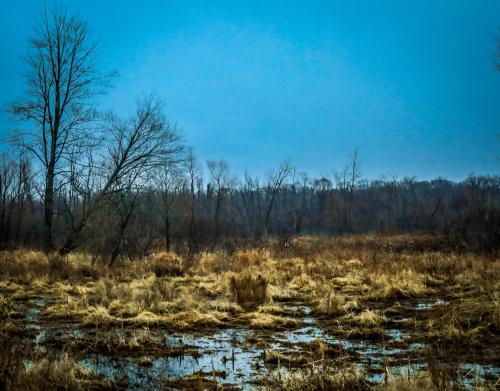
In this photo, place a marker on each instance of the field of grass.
(384, 313)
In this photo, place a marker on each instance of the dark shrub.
(476, 229)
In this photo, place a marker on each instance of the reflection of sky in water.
(232, 352)
(219, 353)
(34, 311)
(428, 304)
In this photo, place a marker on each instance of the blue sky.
(410, 84)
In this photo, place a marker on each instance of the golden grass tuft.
(401, 284)
(354, 263)
(61, 374)
(248, 289)
(367, 318)
(334, 304)
(243, 259)
(261, 320)
(212, 262)
(317, 377)
(23, 264)
(167, 264)
(184, 320)
(471, 320)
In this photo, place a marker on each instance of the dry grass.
(243, 259)
(335, 304)
(167, 264)
(331, 376)
(351, 283)
(367, 318)
(248, 289)
(23, 264)
(473, 320)
(403, 284)
(184, 320)
(63, 373)
(261, 320)
(149, 301)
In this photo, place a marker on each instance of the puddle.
(220, 353)
(33, 311)
(422, 306)
(236, 355)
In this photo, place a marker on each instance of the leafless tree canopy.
(140, 144)
(61, 77)
(133, 151)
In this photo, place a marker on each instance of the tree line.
(74, 177)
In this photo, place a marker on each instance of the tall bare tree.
(222, 182)
(133, 149)
(275, 180)
(170, 181)
(193, 171)
(8, 195)
(61, 78)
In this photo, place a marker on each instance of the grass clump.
(247, 289)
(367, 318)
(167, 264)
(216, 262)
(23, 264)
(403, 284)
(63, 373)
(471, 320)
(243, 259)
(324, 376)
(184, 320)
(334, 304)
(261, 320)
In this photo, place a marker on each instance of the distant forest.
(177, 208)
(74, 177)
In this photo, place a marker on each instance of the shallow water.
(219, 353)
(237, 355)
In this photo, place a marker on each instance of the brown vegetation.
(355, 286)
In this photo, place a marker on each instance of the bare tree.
(124, 203)
(134, 148)
(248, 191)
(170, 181)
(353, 178)
(24, 194)
(8, 195)
(193, 169)
(354, 171)
(275, 180)
(221, 181)
(62, 77)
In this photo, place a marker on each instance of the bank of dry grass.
(351, 281)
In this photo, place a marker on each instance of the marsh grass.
(63, 373)
(355, 286)
(325, 375)
(334, 304)
(471, 320)
(262, 320)
(248, 289)
(335, 374)
(167, 264)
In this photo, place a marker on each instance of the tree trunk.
(49, 208)
(217, 216)
(70, 242)
(167, 231)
